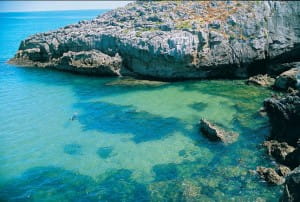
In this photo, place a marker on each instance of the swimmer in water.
(74, 116)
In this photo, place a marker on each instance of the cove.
(131, 140)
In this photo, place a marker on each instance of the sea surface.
(68, 137)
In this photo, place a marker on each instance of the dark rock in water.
(270, 175)
(261, 80)
(162, 40)
(287, 79)
(291, 191)
(283, 170)
(216, 133)
(284, 115)
(293, 158)
(279, 150)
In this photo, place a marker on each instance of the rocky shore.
(188, 40)
(173, 40)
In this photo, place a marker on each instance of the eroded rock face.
(284, 115)
(279, 150)
(261, 80)
(287, 79)
(283, 170)
(163, 40)
(292, 186)
(270, 175)
(92, 61)
(216, 133)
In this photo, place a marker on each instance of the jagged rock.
(261, 80)
(278, 68)
(284, 116)
(279, 150)
(162, 40)
(293, 158)
(216, 133)
(92, 61)
(287, 79)
(270, 175)
(292, 186)
(283, 170)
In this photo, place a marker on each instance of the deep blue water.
(129, 140)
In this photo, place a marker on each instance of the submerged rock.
(162, 40)
(292, 186)
(135, 82)
(261, 80)
(270, 175)
(287, 79)
(216, 133)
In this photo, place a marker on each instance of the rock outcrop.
(292, 186)
(261, 80)
(216, 133)
(200, 39)
(279, 150)
(284, 115)
(270, 175)
(287, 79)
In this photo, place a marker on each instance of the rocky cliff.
(199, 39)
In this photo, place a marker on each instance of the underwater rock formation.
(201, 39)
(216, 133)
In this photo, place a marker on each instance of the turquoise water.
(129, 140)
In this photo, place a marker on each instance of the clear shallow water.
(130, 141)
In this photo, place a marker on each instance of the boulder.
(216, 133)
(279, 150)
(270, 175)
(293, 158)
(291, 191)
(261, 80)
(287, 79)
(283, 170)
(284, 116)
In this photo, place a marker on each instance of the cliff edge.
(199, 39)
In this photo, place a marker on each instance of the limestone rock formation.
(287, 79)
(189, 39)
(270, 175)
(284, 115)
(261, 80)
(279, 150)
(292, 186)
(216, 133)
(283, 170)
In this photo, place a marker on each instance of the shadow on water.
(57, 184)
(73, 149)
(199, 106)
(116, 119)
(104, 152)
